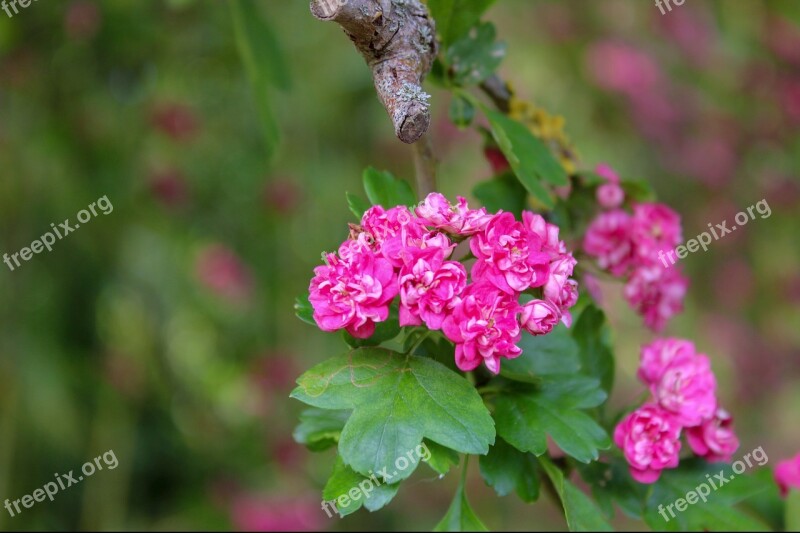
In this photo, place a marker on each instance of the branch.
(499, 92)
(424, 167)
(398, 41)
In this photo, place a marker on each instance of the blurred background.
(164, 330)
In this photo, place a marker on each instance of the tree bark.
(398, 41)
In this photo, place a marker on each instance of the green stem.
(419, 342)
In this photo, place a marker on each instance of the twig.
(424, 166)
(398, 41)
(499, 92)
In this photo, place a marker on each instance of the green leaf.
(717, 513)
(507, 469)
(454, 18)
(303, 310)
(351, 490)
(263, 61)
(503, 192)
(525, 415)
(319, 429)
(397, 400)
(581, 513)
(613, 483)
(441, 458)
(793, 511)
(358, 206)
(476, 56)
(530, 159)
(554, 353)
(460, 516)
(591, 333)
(384, 189)
(461, 111)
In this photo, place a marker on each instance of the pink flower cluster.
(627, 245)
(683, 389)
(400, 252)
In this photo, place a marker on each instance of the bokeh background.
(164, 331)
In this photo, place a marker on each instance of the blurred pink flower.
(251, 512)
(169, 187)
(787, 475)
(654, 227)
(220, 270)
(692, 30)
(687, 388)
(621, 68)
(714, 439)
(175, 120)
(608, 239)
(282, 196)
(656, 293)
(650, 440)
(82, 19)
(783, 37)
(659, 354)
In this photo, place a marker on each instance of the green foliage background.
(113, 340)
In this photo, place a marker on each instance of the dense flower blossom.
(437, 211)
(508, 256)
(650, 440)
(787, 475)
(687, 388)
(659, 354)
(353, 293)
(399, 252)
(656, 293)
(484, 327)
(654, 227)
(429, 287)
(714, 439)
(608, 239)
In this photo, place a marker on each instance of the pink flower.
(484, 327)
(223, 272)
(251, 512)
(650, 440)
(608, 239)
(390, 231)
(560, 289)
(353, 293)
(714, 439)
(659, 354)
(539, 317)
(429, 288)
(787, 475)
(610, 195)
(687, 388)
(654, 227)
(459, 219)
(622, 68)
(508, 256)
(656, 293)
(544, 234)
(604, 170)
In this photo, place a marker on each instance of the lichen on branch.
(397, 38)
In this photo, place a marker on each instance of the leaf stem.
(417, 344)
